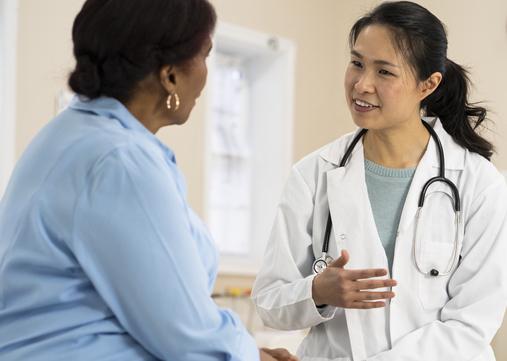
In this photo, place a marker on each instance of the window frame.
(8, 54)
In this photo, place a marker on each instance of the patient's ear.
(168, 78)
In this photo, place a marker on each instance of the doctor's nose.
(364, 84)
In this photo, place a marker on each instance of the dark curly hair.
(117, 43)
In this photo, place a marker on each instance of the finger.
(361, 274)
(368, 296)
(280, 354)
(367, 305)
(277, 352)
(372, 284)
(341, 261)
(265, 356)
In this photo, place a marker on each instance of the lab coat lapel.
(354, 230)
(353, 225)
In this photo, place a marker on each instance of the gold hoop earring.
(422, 112)
(176, 100)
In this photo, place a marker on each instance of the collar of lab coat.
(453, 153)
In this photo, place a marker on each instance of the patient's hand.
(278, 354)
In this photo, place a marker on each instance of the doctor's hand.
(345, 288)
(276, 354)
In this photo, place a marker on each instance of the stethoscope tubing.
(317, 265)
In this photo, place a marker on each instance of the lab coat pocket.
(432, 289)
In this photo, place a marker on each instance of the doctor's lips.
(363, 106)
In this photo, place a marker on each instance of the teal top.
(387, 190)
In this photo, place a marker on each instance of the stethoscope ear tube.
(454, 189)
(327, 235)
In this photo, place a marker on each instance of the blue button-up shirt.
(101, 257)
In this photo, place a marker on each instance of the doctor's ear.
(429, 85)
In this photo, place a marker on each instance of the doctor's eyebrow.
(379, 62)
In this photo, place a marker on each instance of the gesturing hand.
(278, 354)
(344, 288)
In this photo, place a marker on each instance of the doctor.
(415, 266)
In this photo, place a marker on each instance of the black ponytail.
(420, 36)
(459, 117)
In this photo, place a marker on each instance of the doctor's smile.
(363, 106)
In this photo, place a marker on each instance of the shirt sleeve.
(478, 291)
(283, 288)
(132, 237)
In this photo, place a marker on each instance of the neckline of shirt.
(379, 170)
(113, 108)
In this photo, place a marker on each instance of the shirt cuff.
(248, 348)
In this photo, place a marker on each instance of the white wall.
(8, 41)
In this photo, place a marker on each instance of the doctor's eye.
(356, 63)
(385, 72)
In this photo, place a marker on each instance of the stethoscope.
(320, 264)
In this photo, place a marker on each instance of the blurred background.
(274, 94)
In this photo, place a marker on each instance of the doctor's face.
(381, 89)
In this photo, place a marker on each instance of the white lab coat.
(444, 318)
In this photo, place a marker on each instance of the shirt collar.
(114, 109)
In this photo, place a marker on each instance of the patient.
(101, 257)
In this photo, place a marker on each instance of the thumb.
(341, 261)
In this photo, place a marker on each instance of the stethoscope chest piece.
(320, 264)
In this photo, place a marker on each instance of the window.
(249, 141)
(229, 196)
